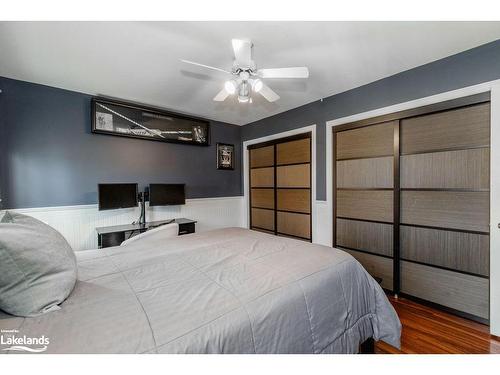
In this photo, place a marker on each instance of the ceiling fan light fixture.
(231, 86)
(257, 85)
(246, 78)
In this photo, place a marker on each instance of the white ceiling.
(139, 61)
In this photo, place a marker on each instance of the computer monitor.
(166, 194)
(114, 196)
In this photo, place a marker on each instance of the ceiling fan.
(247, 78)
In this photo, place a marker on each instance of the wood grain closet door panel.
(368, 205)
(462, 169)
(297, 200)
(294, 176)
(468, 252)
(263, 219)
(262, 157)
(362, 235)
(294, 224)
(452, 289)
(366, 173)
(370, 141)
(446, 209)
(262, 198)
(294, 152)
(262, 177)
(459, 128)
(284, 187)
(376, 266)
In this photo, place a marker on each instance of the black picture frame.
(225, 156)
(124, 119)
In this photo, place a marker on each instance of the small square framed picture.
(225, 156)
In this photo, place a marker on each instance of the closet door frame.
(321, 235)
(274, 143)
(398, 117)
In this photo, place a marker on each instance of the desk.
(116, 234)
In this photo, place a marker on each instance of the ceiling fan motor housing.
(244, 92)
(251, 68)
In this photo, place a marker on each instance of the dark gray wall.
(50, 157)
(471, 67)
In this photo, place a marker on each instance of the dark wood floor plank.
(430, 331)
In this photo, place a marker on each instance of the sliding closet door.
(444, 231)
(293, 193)
(262, 203)
(411, 201)
(280, 187)
(364, 208)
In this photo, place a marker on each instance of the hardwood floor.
(430, 331)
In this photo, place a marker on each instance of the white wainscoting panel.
(322, 223)
(77, 223)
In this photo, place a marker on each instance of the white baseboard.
(77, 223)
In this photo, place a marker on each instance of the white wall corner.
(322, 230)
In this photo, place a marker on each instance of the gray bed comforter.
(225, 291)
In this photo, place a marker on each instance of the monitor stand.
(142, 201)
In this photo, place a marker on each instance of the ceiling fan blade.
(221, 96)
(242, 52)
(205, 66)
(296, 72)
(268, 93)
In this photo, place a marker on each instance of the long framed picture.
(130, 120)
(225, 156)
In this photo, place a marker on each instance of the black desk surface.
(148, 225)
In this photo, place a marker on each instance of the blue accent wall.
(49, 157)
(468, 68)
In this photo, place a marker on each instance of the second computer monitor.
(166, 194)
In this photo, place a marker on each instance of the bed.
(231, 290)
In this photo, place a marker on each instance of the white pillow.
(167, 231)
(37, 266)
